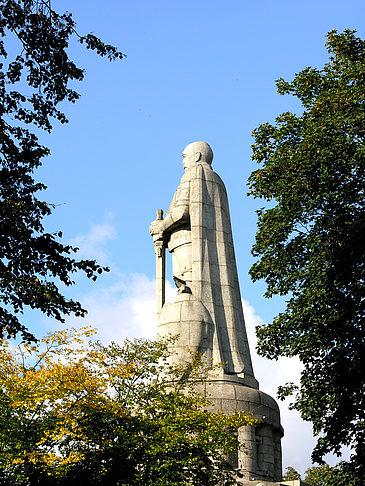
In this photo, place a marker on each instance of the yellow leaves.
(48, 459)
(66, 397)
(17, 460)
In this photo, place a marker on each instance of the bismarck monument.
(207, 312)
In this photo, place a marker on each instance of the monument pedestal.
(207, 314)
(259, 458)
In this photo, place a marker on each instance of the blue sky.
(196, 70)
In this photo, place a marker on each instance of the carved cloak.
(213, 266)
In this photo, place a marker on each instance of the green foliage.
(290, 474)
(78, 413)
(339, 475)
(310, 243)
(32, 85)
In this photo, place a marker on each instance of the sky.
(195, 70)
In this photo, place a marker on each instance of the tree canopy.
(291, 474)
(33, 84)
(310, 242)
(324, 475)
(78, 412)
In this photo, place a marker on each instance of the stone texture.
(197, 232)
(207, 313)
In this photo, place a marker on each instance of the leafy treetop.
(310, 243)
(32, 85)
(291, 474)
(73, 411)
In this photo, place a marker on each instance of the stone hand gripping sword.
(160, 266)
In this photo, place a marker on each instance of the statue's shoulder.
(205, 171)
(201, 172)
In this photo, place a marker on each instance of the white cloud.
(92, 244)
(124, 309)
(269, 373)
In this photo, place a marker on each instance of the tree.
(310, 243)
(32, 86)
(291, 474)
(73, 412)
(325, 475)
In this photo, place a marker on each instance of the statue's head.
(197, 152)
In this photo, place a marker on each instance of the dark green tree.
(290, 474)
(33, 83)
(310, 243)
(324, 475)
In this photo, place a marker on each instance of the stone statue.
(207, 312)
(197, 232)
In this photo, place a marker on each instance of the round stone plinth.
(259, 455)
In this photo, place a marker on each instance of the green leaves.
(291, 474)
(72, 411)
(339, 475)
(310, 244)
(32, 85)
